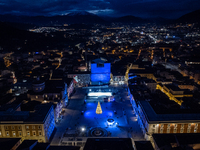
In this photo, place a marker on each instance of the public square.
(80, 119)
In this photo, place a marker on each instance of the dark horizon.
(139, 8)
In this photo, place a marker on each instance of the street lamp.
(82, 129)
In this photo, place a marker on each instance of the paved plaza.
(79, 115)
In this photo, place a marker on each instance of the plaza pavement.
(73, 119)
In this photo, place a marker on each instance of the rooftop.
(151, 115)
(108, 144)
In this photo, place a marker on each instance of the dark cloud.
(141, 8)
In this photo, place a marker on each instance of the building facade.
(37, 125)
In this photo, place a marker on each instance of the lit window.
(36, 88)
(0, 133)
(40, 88)
(181, 131)
(168, 130)
(175, 130)
(36, 97)
(161, 130)
(27, 127)
(188, 130)
(28, 133)
(13, 133)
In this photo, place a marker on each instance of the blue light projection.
(100, 70)
(100, 77)
(100, 74)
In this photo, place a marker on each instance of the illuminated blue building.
(100, 72)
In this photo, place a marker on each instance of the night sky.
(140, 8)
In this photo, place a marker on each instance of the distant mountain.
(83, 17)
(78, 17)
(71, 18)
(190, 17)
(130, 19)
(80, 13)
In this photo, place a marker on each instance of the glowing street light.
(82, 129)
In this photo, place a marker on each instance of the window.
(100, 65)
(188, 130)
(27, 127)
(6, 127)
(161, 130)
(175, 125)
(189, 125)
(153, 125)
(153, 130)
(36, 97)
(181, 131)
(175, 130)
(196, 124)
(13, 128)
(39, 127)
(168, 130)
(195, 131)
(40, 133)
(33, 127)
(7, 133)
(34, 133)
(168, 125)
(182, 125)
(162, 125)
(36, 88)
(0, 133)
(19, 127)
(40, 88)
(13, 133)
(28, 133)
(20, 133)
